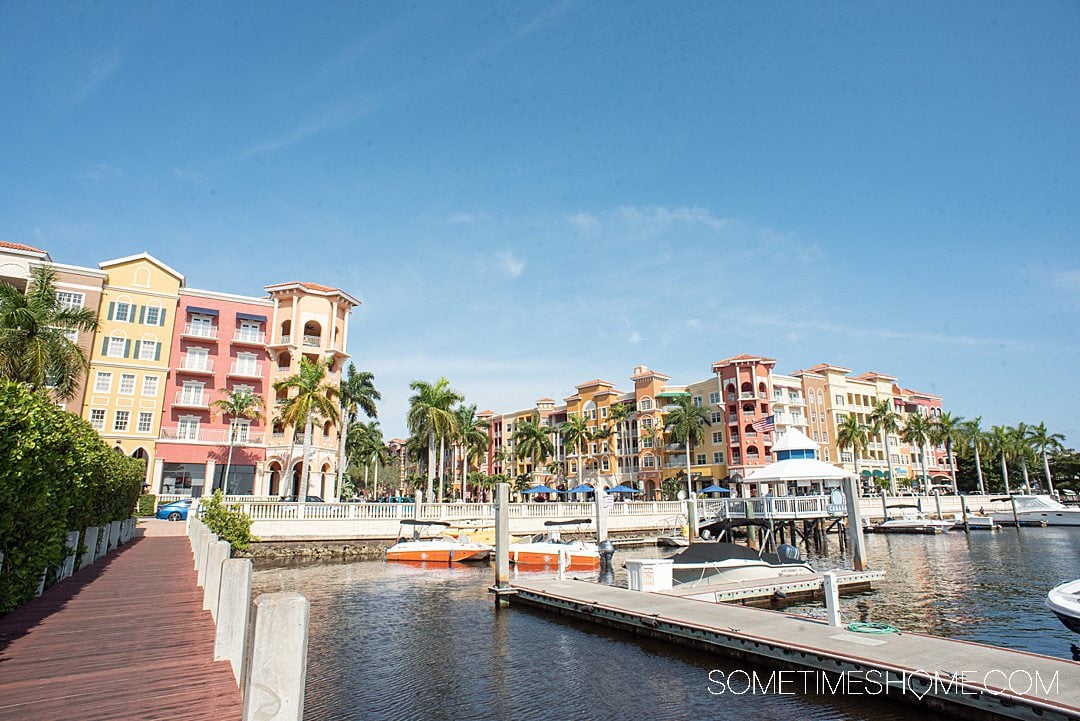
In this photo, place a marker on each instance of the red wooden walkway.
(125, 638)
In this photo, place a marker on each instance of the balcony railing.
(312, 341)
(245, 370)
(286, 339)
(731, 396)
(746, 396)
(200, 330)
(210, 435)
(283, 369)
(249, 336)
(192, 399)
(196, 364)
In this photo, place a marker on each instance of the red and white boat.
(543, 549)
(431, 544)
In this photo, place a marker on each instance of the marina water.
(393, 641)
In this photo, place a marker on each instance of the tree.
(575, 434)
(947, 429)
(356, 392)
(534, 440)
(974, 437)
(917, 430)
(430, 416)
(367, 448)
(1022, 450)
(619, 416)
(34, 345)
(1001, 444)
(685, 423)
(852, 434)
(471, 437)
(884, 420)
(240, 404)
(1044, 443)
(313, 399)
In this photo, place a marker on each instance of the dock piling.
(216, 555)
(274, 686)
(234, 601)
(502, 543)
(854, 523)
(831, 590)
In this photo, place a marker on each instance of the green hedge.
(228, 523)
(57, 475)
(147, 505)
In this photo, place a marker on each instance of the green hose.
(872, 628)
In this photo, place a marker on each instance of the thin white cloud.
(635, 337)
(469, 218)
(101, 69)
(193, 176)
(510, 264)
(694, 324)
(334, 119)
(101, 171)
(1067, 280)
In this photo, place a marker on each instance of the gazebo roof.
(798, 469)
(794, 440)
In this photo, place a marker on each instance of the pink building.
(219, 346)
(746, 386)
(929, 405)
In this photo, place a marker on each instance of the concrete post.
(937, 499)
(751, 530)
(855, 531)
(90, 543)
(204, 557)
(114, 535)
(274, 686)
(72, 546)
(564, 562)
(103, 541)
(234, 601)
(216, 554)
(601, 510)
(831, 590)
(691, 519)
(502, 535)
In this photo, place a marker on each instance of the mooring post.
(854, 523)
(601, 511)
(274, 685)
(751, 530)
(234, 602)
(216, 554)
(831, 590)
(963, 513)
(90, 542)
(564, 561)
(884, 507)
(937, 500)
(691, 519)
(502, 542)
(1016, 518)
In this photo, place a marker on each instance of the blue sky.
(527, 196)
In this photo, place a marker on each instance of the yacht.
(430, 542)
(912, 520)
(1037, 510)
(706, 564)
(543, 549)
(1064, 601)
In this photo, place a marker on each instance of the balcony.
(732, 418)
(311, 341)
(191, 399)
(763, 395)
(199, 330)
(731, 396)
(734, 439)
(196, 364)
(248, 337)
(283, 340)
(746, 396)
(284, 369)
(751, 435)
(209, 435)
(239, 369)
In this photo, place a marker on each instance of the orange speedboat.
(431, 543)
(543, 549)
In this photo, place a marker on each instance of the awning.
(202, 311)
(249, 316)
(673, 394)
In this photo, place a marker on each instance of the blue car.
(175, 511)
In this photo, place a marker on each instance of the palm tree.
(947, 429)
(34, 345)
(1001, 444)
(368, 448)
(534, 440)
(884, 420)
(472, 437)
(430, 415)
(356, 392)
(685, 423)
(917, 429)
(575, 434)
(1022, 449)
(975, 436)
(852, 434)
(600, 435)
(619, 416)
(313, 399)
(242, 404)
(1045, 442)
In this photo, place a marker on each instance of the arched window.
(645, 404)
(142, 278)
(746, 387)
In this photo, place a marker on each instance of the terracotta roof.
(745, 357)
(20, 246)
(650, 372)
(594, 382)
(875, 374)
(486, 412)
(545, 400)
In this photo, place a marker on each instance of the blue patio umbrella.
(540, 489)
(583, 488)
(622, 489)
(715, 489)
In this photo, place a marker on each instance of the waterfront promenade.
(126, 638)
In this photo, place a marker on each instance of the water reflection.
(398, 642)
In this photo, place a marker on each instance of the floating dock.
(960, 678)
(790, 588)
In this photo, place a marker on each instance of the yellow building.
(129, 362)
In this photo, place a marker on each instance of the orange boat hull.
(438, 556)
(536, 558)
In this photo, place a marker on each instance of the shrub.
(147, 505)
(229, 523)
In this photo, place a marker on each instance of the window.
(187, 429)
(592, 448)
(845, 457)
(249, 331)
(605, 464)
(649, 461)
(826, 452)
(115, 347)
(817, 436)
(127, 384)
(820, 398)
(699, 459)
(824, 436)
(717, 417)
(714, 397)
(153, 315)
(69, 301)
(718, 457)
(813, 417)
(247, 363)
(97, 419)
(122, 312)
(646, 404)
(646, 422)
(646, 442)
(120, 420)
(240, 431)
(142, 277)
(839, 399)
(150, 385)
(146, 421)
(603, 412)
(148, 350)
(717, 437)
(697, 401)
(102, 384)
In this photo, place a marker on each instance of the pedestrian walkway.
(125, 638)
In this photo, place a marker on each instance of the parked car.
(307, 499)
(175, 511)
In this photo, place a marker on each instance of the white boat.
(1038, 510)
(978, 523)
(426, 546)
(912, 520)
(707, 564)
(543, 549)
(1064, 601)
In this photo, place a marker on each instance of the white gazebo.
(796, 464)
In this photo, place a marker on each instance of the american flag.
(766, 424)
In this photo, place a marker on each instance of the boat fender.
(650, 621)
(779, 594)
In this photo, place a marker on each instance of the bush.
(147, 505)
(230, 524)
(58, 475)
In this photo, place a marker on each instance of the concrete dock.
(959, 678)
(764, 592)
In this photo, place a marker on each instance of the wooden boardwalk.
(953, 677)
(125, 638)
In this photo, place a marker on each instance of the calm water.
(389, 641)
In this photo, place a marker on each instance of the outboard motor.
(607, 550)
(788, 553)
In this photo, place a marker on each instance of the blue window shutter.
(136, 355)
(142, 314)
(157, 352)
(161, 317)
(112, 307)
(104, 346)
(127, 349)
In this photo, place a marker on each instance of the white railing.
(209, 435)
(196, 363)
(247, 336)
(262, 509)
(286, 339)
(283, 369)
(311, 341)
(247, 370)
(200, 330)
(188, 398)
(746, 396)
